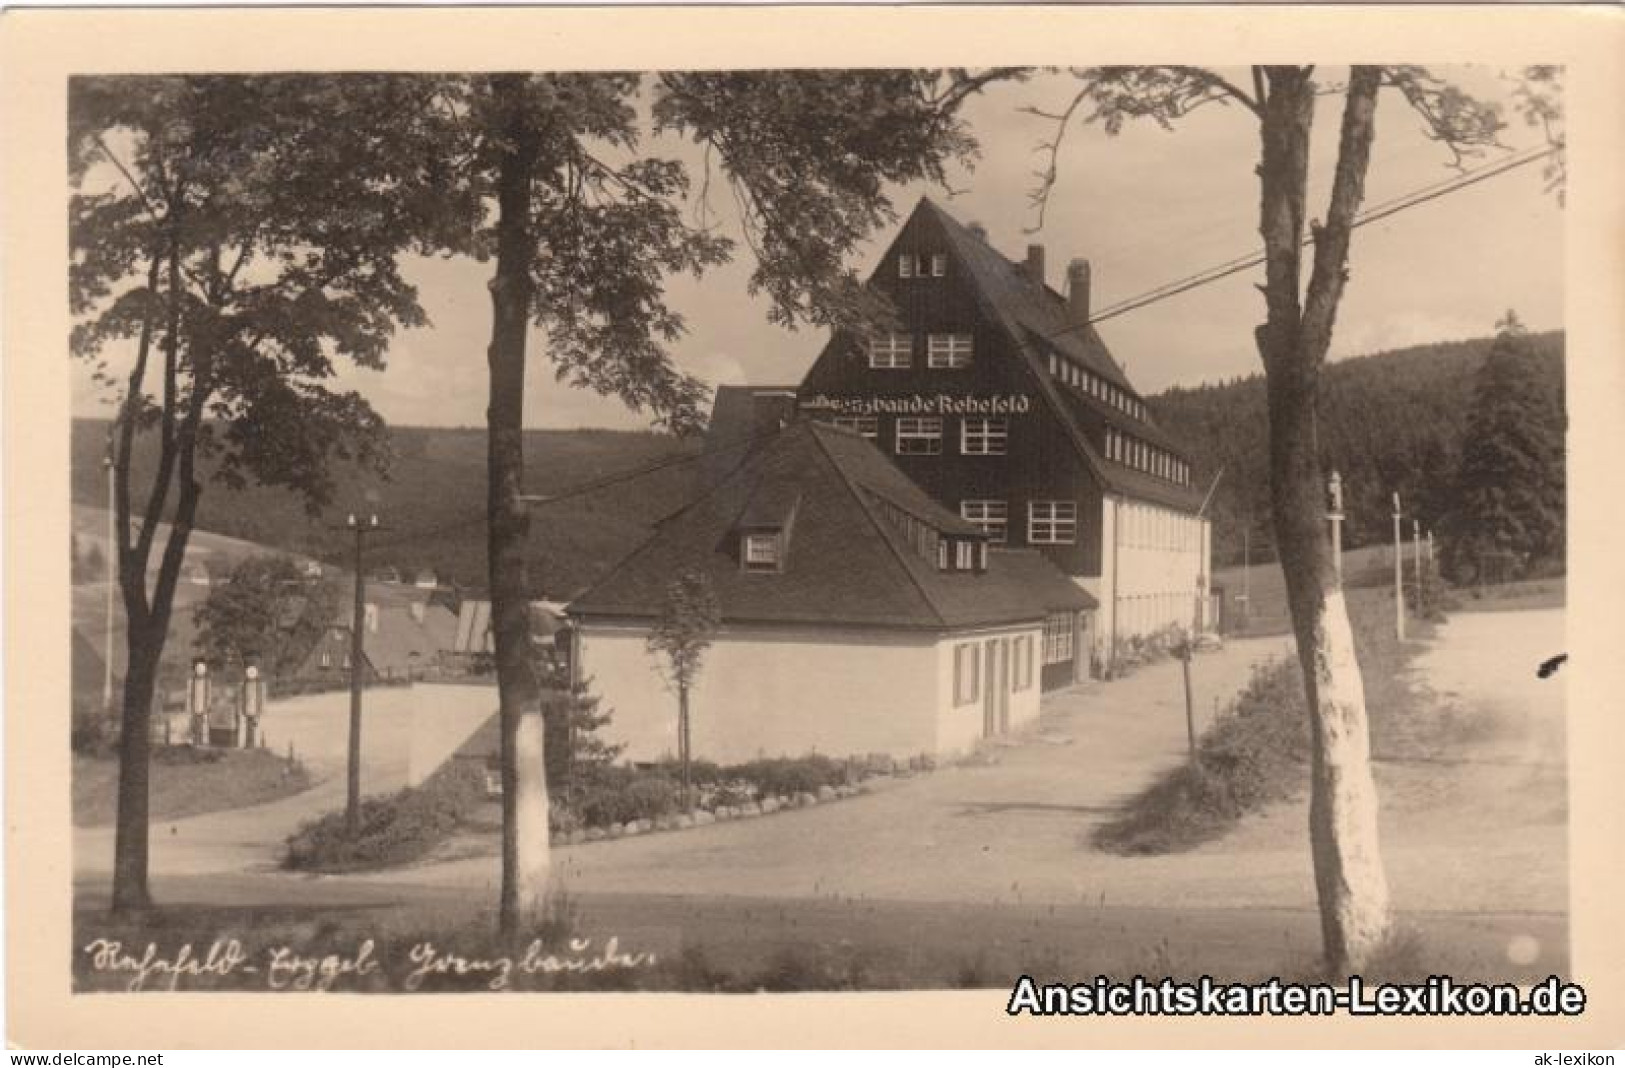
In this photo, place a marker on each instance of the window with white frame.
(1058, 646)
(892, 350)
(867, 425)
(981, 436)
(949, 351)
(967, 670)
(1054, 366)
(919, 436)
(989, 516)
(761, 552)
(939, 265)
(964, 556)
(1022, 654)
(908, 265)
(1052, 522)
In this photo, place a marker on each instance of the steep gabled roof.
(847, 563)
(1036, 322)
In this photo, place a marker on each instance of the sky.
(1146, 207)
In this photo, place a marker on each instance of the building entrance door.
(996, 692)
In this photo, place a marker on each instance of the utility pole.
(1399, 574)
(360, 526)
(113, 556)
(1416, 555)
(1246, 575)
(1334, 487)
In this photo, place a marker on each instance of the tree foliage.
(689, 618)
(1510, 487)
(1392, 421)
(230, 238)
(266, 612)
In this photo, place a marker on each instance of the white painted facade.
(836, 690)
(1154, 572)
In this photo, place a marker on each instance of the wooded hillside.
(434, 502)
(1391, 421)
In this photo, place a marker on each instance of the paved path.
(1011, 830)
(1474, 861)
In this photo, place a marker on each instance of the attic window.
(939, 265)
(761, 552)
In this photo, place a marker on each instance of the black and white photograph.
(842, 527)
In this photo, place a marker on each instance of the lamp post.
(253, 706)
(197, 702)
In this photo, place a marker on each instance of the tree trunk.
(525, 857)
(130, 892)
(1349, 877)
(682, 742)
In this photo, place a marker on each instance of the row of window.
(1085, 380)
(1048, 522)
(944, 352)
(968, 657)
(922, 435)
(1131, 451)
(916, 265)
(949, 554)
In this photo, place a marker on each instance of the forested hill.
(1390, 421)
(434, 502)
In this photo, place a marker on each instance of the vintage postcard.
(1057, 526)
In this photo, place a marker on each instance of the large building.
(995, 395)
(858, 616)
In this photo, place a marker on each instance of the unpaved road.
(1475, 843)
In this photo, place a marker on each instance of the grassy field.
(187, 782)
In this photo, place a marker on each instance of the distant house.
(426, 580)
(474, 644)
(404, 636)
(858, 615)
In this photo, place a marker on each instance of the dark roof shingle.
(847, 563)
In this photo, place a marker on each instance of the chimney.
(1035, 264)
(979, 230)
(1077, 292)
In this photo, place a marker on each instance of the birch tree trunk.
(1349, 877)
(525, 849)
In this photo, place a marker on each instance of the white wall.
(959, 727)
(786, 692)
(1161, 559)
(770, 692)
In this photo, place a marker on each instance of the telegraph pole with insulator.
(360, 526)
(1334, 487)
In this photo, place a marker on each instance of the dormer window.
(964, 555)
(761, 551)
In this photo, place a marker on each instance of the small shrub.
(788, 776)
(392, 830)
(1252, 755)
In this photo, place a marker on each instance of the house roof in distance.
(846, 562)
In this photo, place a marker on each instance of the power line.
(1393, 206)
(584, 489)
